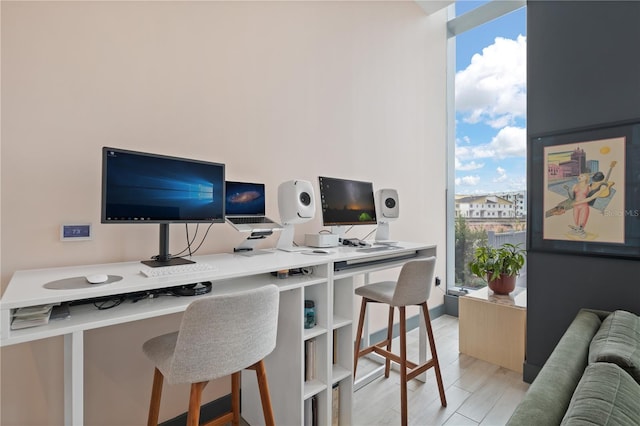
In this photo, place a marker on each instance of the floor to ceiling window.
(487, 142)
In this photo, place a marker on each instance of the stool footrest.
(392, 357)
(222, 420)
(421, 369)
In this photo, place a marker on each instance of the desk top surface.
(26, 287)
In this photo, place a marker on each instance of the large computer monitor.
(346, 202)
(140, 187)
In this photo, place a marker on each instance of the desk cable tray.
(373, 260)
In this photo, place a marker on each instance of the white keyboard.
(165, 271)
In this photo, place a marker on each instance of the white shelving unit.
(332, 292)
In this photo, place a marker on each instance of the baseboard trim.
(530, 372)
(208, 412)
(451, 305)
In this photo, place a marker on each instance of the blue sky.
(491, 105)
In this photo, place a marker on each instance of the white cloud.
(467, 180)
(502, 175)
(492, 89)
(465, 167)
(508, 142)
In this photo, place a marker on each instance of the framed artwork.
(585, 191)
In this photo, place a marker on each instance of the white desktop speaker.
(388, 205)
(296, 202)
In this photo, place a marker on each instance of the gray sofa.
(592, 377)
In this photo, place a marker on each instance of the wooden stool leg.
(387, 363)
(434, 354)
(403, 365)
(263, 386)
(156, 395)
(235, 398)
(193, 415)
(356, 351)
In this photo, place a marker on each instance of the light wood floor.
(478, 393)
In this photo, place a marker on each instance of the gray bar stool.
(219, 336)
(412, 288)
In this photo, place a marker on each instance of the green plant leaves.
(491, 262)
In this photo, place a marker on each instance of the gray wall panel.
(583, 70)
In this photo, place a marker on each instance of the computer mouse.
(320, 251)
(97, 278)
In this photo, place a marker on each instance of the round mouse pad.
(77, 282)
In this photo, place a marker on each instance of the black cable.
(186, 229)
(190, 242)
(203, 238)
(365, 237)
(109, 303)
(195, 234)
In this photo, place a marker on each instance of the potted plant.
(500, 266)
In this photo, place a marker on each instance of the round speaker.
(390, 203)
(387, 204)
(305, 198)
(296, 202)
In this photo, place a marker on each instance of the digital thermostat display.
(75, 232)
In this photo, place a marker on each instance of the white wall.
(276, 90)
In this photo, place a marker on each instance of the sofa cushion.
(606, 395)
(618, 341)
(550, 393)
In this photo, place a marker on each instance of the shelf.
(339, 322)
(339, 373)
(310, 333)
(313, 387)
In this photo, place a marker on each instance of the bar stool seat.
(412, 288)
(219, 336)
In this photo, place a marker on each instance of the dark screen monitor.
(346, 202)
(140, 187)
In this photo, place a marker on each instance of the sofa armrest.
(549, 395)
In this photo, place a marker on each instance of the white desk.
(333, 292)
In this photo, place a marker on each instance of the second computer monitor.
(346, 202)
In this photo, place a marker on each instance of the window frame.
(457, 25)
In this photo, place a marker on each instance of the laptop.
(245, 207)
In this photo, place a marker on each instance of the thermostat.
(75, 232)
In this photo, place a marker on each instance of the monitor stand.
(382, 235)
(285, 242)
(338, 230)
(164, 258)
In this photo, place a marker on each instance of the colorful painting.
(584, 184)
(585, 191)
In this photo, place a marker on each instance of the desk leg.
(74, 378)
(366, 342)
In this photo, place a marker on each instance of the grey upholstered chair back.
(220, 335)
(414, 282)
